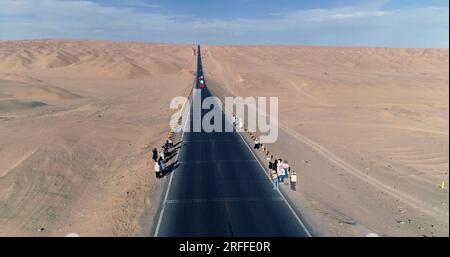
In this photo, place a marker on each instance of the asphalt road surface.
(218, 188)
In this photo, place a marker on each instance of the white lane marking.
(161, 214)
(224, 199)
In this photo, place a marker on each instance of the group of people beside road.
(160, 158)
(280, 171)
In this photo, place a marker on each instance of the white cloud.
(75, 19)
(139, 3)
(322, 15)
(354, 25)
(346, 14)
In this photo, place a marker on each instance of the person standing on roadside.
(274, 165)
(285, 166)
(166, 145)
(256, 144)
(293, 181)
(155, 154)
(281, 173)
(279, 170)
(157, 170)
(166, 149)
(161, 154)
(170, 143)
(163, 166)
(274, 177)
(269, 163)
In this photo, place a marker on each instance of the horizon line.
(225, 45)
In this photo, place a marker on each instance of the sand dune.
(76, 121)
(108, 67)
(366, 128)
(90, 59)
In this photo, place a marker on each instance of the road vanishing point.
(219, 188)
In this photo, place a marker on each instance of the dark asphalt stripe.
(215, 200)
(214, 161)
(213, 141)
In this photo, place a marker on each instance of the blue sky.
(386, 23)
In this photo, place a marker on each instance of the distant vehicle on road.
(202, 83)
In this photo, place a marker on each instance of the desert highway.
(218, 188)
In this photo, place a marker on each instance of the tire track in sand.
(407, 199)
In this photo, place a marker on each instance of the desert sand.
(366, 129)
(77, 120)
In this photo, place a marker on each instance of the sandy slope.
(366, 128)
(76, 120)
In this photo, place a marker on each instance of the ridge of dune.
(93, 65)
(46, 92)
(91, 59)
(106, 66)
(18, 78)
